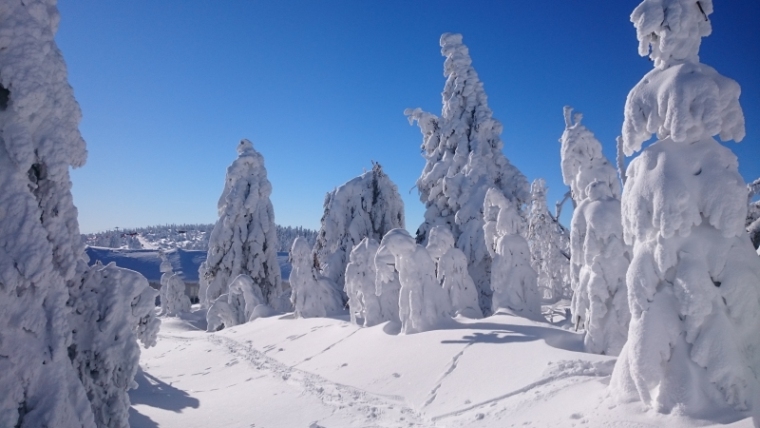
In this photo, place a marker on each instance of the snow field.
(283, 372)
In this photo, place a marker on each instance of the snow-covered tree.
(694, 280)
(513, 280)
(549, 245)
(172, 293)
(367, 206)
(423, 303)
(68, 335)
(242, 303)
(600, 257)
(312, 294)
(244, 240)
(463, 159)
(114, 309)
(753, 213)
(363, 303)
(452, 274)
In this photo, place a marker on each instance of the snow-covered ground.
(500, 371)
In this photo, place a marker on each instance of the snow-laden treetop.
(248, 167)
(681, 98)
(582, 159)
(670, 31)
(42, 117)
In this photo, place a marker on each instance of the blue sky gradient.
(168, 88)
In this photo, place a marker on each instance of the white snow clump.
(312, 294)
(367, 308)
(451, 271)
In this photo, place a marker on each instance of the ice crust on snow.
(452, 274)
(244, 240)
(514, 281)
(365, 306)
(694, 280)
(423, 303)
(312, 294)
(367, 206)
(463, 159)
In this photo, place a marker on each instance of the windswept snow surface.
(326, 372)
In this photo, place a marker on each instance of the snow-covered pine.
(367, 206)
(312, 294)
(599, 256)
(463, 159)
(423, 304)
(452, 274)
(549, 243)
(114, 308)
(367, 308)
(242, 303)
(694, 280)
(513, 279)
(174, 301)
(49, 300)
(244, 240)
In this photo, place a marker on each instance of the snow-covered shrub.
(423, 304)
(367, 206)
(513, 280)
(599, 256)
(463, 159)
(549, 245)
(244, 240)
(451, 271)
(312, 294)
(694, 280)
(113, 310)
(237, 306)
(172, 292)
(363, 303)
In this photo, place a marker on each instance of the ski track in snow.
(326, 349)
(454, 362)
(598, 370)
(378, 409)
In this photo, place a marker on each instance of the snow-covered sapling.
(312, 294)
(172, 295)
(370, 308)
(367, 206)
(549, 245)
(423, 304)
(451, 271)
(513, 280)
(600, 257)
(244, 239)
(694, 280)
(463, 159)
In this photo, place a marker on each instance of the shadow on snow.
(153, 392)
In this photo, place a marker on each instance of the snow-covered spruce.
(367, 308)
(549, 243)
(513, 280)
(451, 271)
(367, 206)
(242, 303)
(753, 213)
(463, 159)
(67, 335)
(114, 309)
(694, 280)
(423, 304)
(174, 301)
(244, 240)
(312, 294)
(600, 257)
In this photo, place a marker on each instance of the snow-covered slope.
(326, 372)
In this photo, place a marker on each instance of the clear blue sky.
(169, 87)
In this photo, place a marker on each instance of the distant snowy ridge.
(184, 236)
